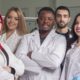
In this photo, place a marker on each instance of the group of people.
(50, 52)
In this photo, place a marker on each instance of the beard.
(62, 25)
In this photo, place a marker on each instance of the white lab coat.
(14, 62)
(13, 41)
(46, 57)
(71, 69)
(5, 75)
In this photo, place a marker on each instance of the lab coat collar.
(36, 38)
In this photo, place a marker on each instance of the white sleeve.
(65, 67)
(5, 75)
(14, 62)
(18, 65)
(53, 59)
(21, 53)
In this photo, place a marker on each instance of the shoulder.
(4, 34)
(59, 36)
(73, 47)
(32, 34)
(3, 37)
(17, 36)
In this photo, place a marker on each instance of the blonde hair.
(22, 28)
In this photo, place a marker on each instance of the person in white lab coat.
(9, 64)
(14, 28)
(43, 50)
(71, 69)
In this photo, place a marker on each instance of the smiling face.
(46, 20)
(12, 20)
(77, 26)
(62, 18)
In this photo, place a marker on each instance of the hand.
(7, 68)
(29, 54)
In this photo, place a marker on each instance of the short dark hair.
(62, 8)
(46, 9)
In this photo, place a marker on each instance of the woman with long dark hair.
(71, 70)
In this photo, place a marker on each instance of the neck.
(78, 41)
(62, 30)
(9, 33)
(43, 33)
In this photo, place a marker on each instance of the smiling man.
(43, 50)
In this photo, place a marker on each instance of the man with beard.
(62, 14)
(43, 50)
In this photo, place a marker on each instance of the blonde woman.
(10, 66)
(14, 28)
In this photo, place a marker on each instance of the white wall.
(68, 2)
(29, 7)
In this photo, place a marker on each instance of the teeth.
(78, 30)
(45, 26)
(11, 24)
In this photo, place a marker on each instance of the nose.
(62, 18)
(46, 20)
(79, 24)
(12, 19)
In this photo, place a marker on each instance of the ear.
(69, 19)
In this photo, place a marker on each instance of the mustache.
(62, 22)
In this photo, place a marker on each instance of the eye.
(65, 16)
(50, 19)
(58, 15)
(17, 19)
(9, 17)
(76, 23)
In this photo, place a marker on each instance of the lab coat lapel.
(48, 39)
(36, 38)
